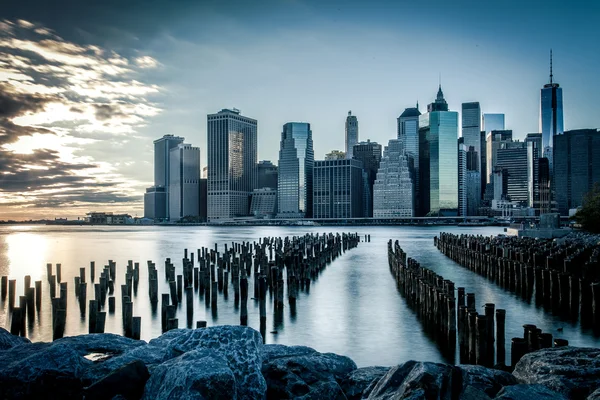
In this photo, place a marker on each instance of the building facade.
(408, 133)
(335, 155)
(351, 133)
(369, 153)
(462, 177)
(295, 173)
(267, 175)
(338, 189)
(511, 158)
(533, 141)
(162, 174)
(184, 182)
(393, 190)
(551, 114)
(494, 140)
(493, 122)
(438, 132)
(232, 164)
(471, 134)
(264, 202)
(576, 167)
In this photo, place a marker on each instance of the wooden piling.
(92, 316)
(38, 294)
(136, 327)
(500, 337)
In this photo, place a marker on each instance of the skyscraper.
(471, 134)
(438, 159)
(533, 142)
(184, 182)
(338, 189)
(157, 196)
(551, 114)
(511, 158)
(232, 157)
(295, 174)
(494, 140)
(408, 133)
(576, 166)
(370, 154)
(393, 190)
(267, 175)
(351, 133)
(493, 122)
(462, 177)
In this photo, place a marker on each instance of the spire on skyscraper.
(551, 66)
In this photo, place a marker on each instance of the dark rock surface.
(127, 382)
(355, 384)
(298, 372)
(528, 392)
(572, 371)
(488, 381)
(7, 340)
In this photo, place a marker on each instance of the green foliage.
(589, 214)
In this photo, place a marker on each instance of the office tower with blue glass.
(438, 159)
(338, 189)
(351, 133)
(471, 135)
(267, 175)
(408, 133)
(551, 114)
(295, 171)
(232, 164)
(369, 153)
(393, 191)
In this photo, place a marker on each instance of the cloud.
(60, 102)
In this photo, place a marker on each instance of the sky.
(86, 86)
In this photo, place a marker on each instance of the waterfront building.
(471, 134)
(232, 164)
(155, 200)
(483, 162)
(338, 189)
(462, 177)
(494, 140)
(184, 182)
(393, 190)
(203, 199)
(438, 159)
(551, 114)
(576, 167)
(295, 173)
(351, 133)
(264, 202)
(511, 158)
(369, 153)
(267, 175)
(408, 133)
(154, 195)
(335, 155)
(533, 142)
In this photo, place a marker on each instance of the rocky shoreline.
(231, 362)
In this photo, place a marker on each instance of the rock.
(239, 345)
(127, 382)
(41, 370)
(595, 395)
(356, 382)
(528, 392)
(572, 371)
(418, 380)
(489, 381)
(298, 372)
(197, 374)
(8, 340)
(472, 393)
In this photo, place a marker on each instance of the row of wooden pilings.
(481, 337)
(562, 275)
(270, 263)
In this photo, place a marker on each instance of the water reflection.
(352, 308)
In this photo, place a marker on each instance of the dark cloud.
(76, 109)
(107, 111)
(13, 104)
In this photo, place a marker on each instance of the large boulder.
(487, 380)
(572, 371)
(240, 346)
(418, 380)
(299, 372)
(528, 392)
(358, 381)
(8, 340)
(127, 381)
(198, 374)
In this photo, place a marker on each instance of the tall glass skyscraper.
(438, 133)
(370, 154)
(184, 185)
(408, 134)
(295, 174)
(551, 114)
(493, 122)
(351, 133)
(232, 157)
(471, 135)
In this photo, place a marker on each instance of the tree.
(588, 215)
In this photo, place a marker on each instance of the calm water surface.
(352, 309)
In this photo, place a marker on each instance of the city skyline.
(86, 92)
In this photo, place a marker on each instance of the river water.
(353, 308)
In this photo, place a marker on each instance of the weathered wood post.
(517, 350)
(4, 287)
(12, 290)
(500, 337)
(38, 294)
(481, 352)
(136, 327)
(489, 315)
(111, 305)
(100, 321)
(200, 324)
(92, 316)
